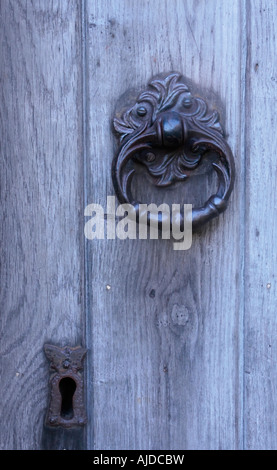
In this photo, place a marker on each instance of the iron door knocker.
(170, 132)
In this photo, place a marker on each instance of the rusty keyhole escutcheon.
(66, 406)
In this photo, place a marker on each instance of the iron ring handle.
(181, 122)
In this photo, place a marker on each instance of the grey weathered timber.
(261, 229)
(165, 338)
(41, 216)
(181, 345)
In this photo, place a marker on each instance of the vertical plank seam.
(86, 316)
(243, 119)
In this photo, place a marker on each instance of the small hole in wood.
(67, 388)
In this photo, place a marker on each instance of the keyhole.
(67, 388)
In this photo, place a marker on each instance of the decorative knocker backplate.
(170, 132)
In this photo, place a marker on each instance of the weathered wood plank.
(261, 233)
(165, 337)
(41, 192)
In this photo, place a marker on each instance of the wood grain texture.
(261, 229)
(41, 191)
(173, 363)
(165, 339)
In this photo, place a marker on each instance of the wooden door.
(182, 346)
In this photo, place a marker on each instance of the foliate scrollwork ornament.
(170, 132)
